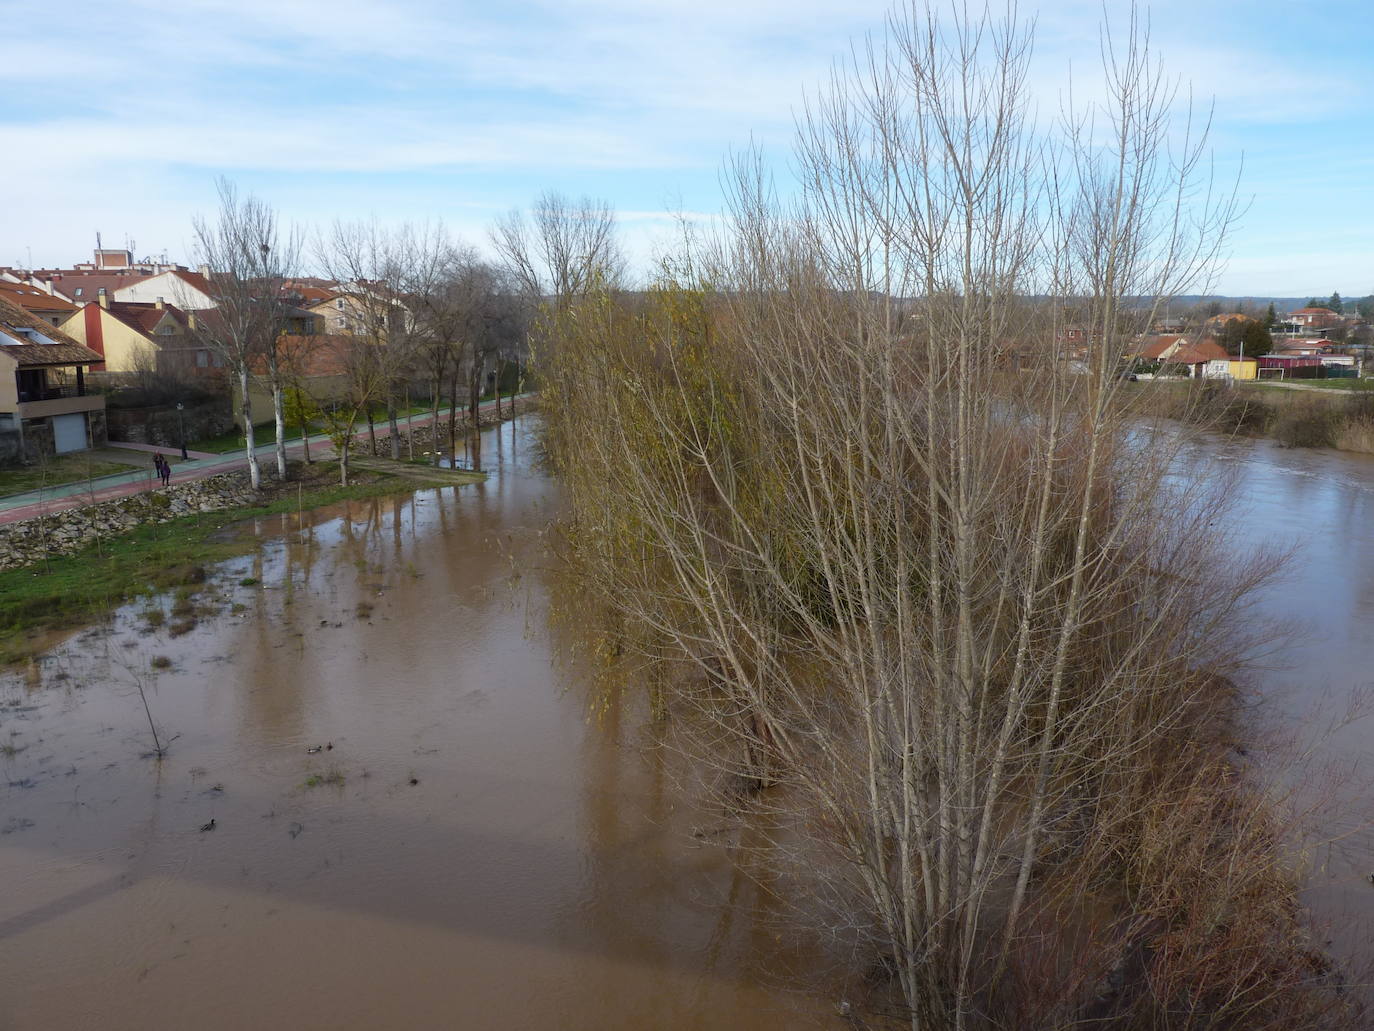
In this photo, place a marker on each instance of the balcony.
(39, 404)
(51, 393)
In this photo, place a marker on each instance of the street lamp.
(181, 420)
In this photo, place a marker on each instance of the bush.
(1309, 422)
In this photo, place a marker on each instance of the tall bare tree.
(375, 267)
(249, 259)
(563, 249)
(921, 583)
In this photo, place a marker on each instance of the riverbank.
(68, 584)
(1340, 419)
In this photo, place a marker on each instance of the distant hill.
(1281, 304)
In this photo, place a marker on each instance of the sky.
(120, 118)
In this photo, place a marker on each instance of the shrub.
(1307, 422)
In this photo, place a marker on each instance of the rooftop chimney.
(204, 270)
(103, 298)
(160, 304)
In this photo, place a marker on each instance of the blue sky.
(118, 117)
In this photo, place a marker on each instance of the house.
(1305, 347)
(49, 307)
(1314, 318)
(350, 313)
(190, 291)
(44, 407)
(1183, 352)
(134, 337)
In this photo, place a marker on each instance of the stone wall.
(161, 424)
(424, 435)
(64, 533)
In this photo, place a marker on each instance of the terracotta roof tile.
(62, 351)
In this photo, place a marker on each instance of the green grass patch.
(73, 590)
(55, 471)
(264, 435)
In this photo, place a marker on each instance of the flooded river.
(466, 848)
(471, 852)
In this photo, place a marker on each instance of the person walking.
(164, 471)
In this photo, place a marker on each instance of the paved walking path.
(60, 498)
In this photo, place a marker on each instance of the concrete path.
(60, 498)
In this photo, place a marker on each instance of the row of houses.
(1205, 358)
(113, 319)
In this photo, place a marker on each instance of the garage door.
(69, 433)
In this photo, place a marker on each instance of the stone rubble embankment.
(423, 435)
(64, 533)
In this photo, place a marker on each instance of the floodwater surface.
(415, 821)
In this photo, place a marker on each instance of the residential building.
(1180, 351)
(190, 291)
(1314, 318)
(49, 307)
(134, 337)
(44, 406)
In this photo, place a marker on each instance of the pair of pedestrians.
(164, 471)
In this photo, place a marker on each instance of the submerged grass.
(71, 590)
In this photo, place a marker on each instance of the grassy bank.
(1335, 418)
(72, 590)
(53, 471)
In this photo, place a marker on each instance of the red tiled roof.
(1158, 346)
(145, 316)
(1194, 354)
(34, 299)
(62, 351)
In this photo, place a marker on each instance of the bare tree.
(563, 250)
(375, 268)
(442, 303)
(249, 261)
(954, 635)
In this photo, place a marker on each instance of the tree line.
(420, 306)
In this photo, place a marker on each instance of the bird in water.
(208, 826)
(313, 749)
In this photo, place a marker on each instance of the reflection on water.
(472, 851)
(465, 850)
(1321, 505)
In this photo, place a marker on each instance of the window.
(202, 359)
(338, 303)
(77, 292)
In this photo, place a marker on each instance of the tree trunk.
(305, 439)
(474, 400)
(246, 414)
(371, 429)
(343, 458)
(453, 419)
(434, 421)
(279, 417)
(395, 429)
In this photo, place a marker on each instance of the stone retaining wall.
(64, 533)
(161, 425)
(424, 435)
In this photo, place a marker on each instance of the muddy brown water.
(536, 874)
(541, 871)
